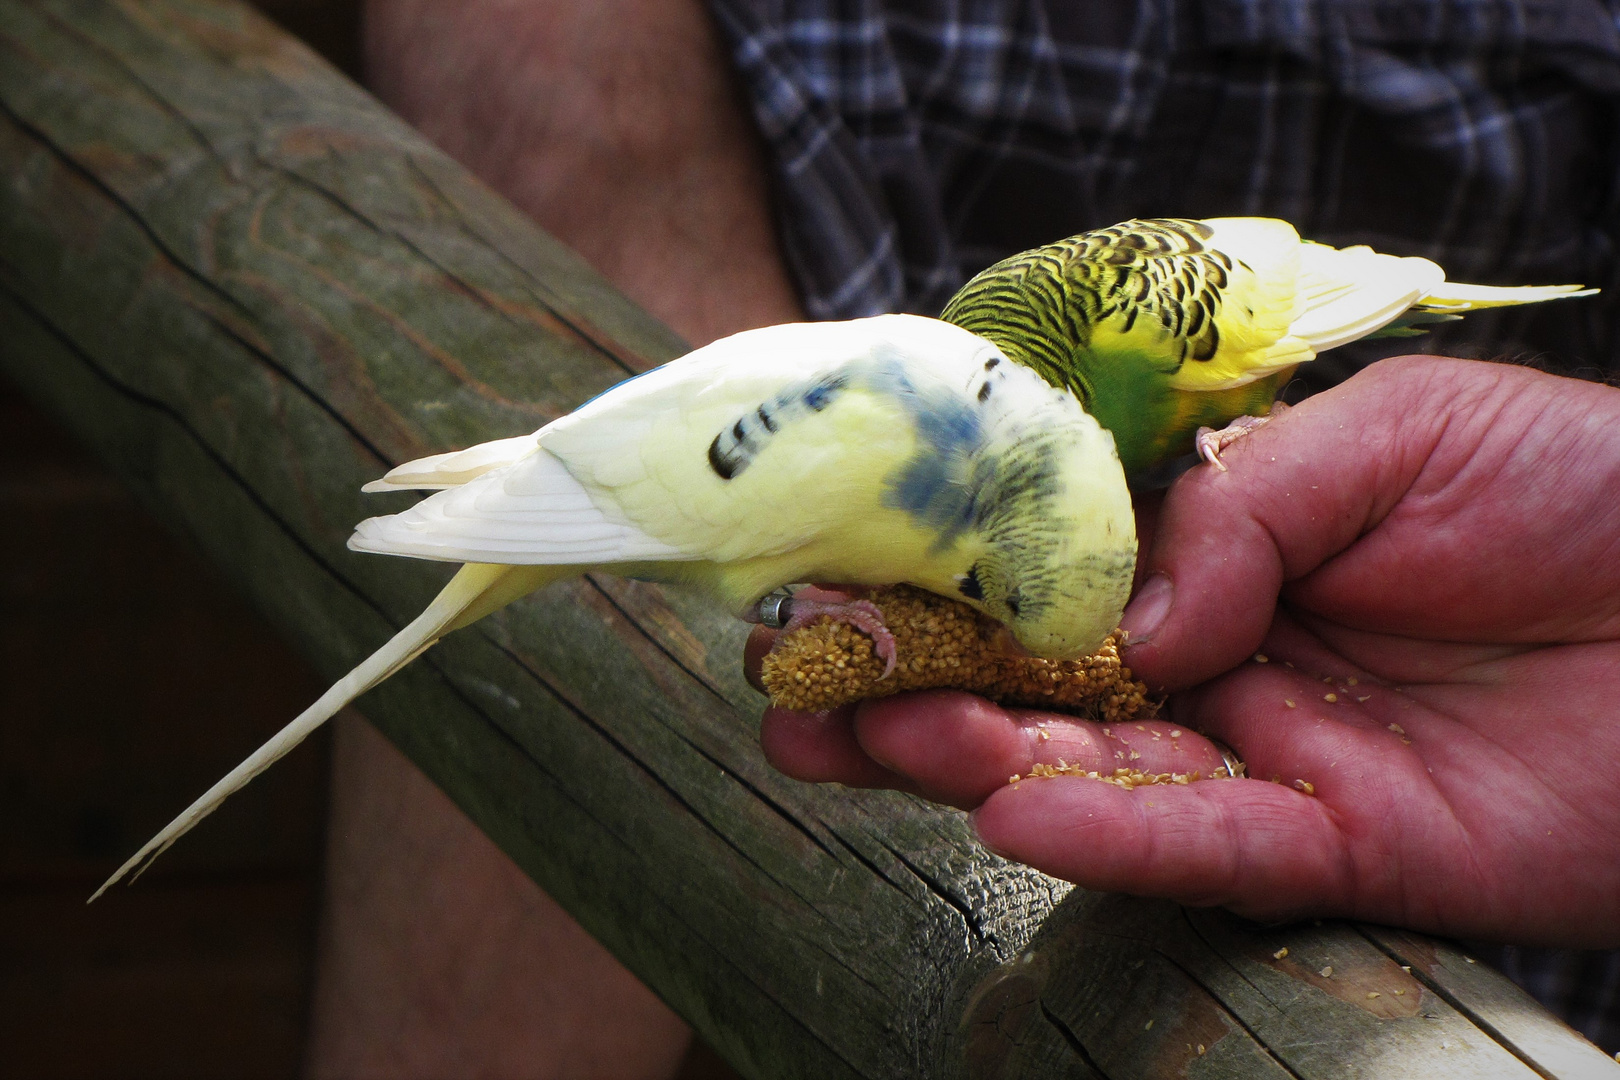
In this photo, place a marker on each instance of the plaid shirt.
(915, 142)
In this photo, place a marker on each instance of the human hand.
(1441, 532)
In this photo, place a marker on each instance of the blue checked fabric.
(914, 142)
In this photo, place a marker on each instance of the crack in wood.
(67, 29)
(1232, 1015)
(934, 886)
(1073, 1042)
(1187, 920)
(656, 642)
(189, 273)
(1469, 1013)
(179, 420)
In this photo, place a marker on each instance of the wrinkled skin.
(1445, 532)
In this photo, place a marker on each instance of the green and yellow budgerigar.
(883, 450)
(1165, 326)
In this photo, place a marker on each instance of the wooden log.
(252, 289)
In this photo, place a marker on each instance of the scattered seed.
(1280, 953)
(1261, 658)
(1367, 698)
(1400, 993)
(1306, 786)
(1043, 733)
(1327, 972)
(1397, 729)
(1174, 734)
(1351, 680)
(1372, 994)
(1014, 778)
(1200, 1049)
(1330, 698)
(1289, 702)
(1148, 1026)
(1468, 959)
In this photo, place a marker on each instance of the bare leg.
(438, 958)
(808, 605)
(614, 123)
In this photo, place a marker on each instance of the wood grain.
(251, 289)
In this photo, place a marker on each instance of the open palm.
(1428, 559)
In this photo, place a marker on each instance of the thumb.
(1298, 491)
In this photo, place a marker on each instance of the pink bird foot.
(1210, 442)
(791, 612)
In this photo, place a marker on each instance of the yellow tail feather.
(1455, 296)
(477, 590)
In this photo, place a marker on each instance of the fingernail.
(1144, 615)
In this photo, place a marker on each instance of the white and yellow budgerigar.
(883, 450)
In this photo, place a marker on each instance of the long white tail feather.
(475, 591)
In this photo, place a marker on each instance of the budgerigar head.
(1055, 558)
(1034, 517)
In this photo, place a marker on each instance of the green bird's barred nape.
(1022, 305)
(1050, 301)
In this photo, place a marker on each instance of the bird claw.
(1210, 442)
(790, 613)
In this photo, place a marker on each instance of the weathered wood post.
(251, 289)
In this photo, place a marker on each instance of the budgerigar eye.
(968, 585)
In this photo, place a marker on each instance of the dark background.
(131, 678)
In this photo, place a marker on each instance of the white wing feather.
(532, 512)
(1351, 292)
(627, 476)
(456, 468)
